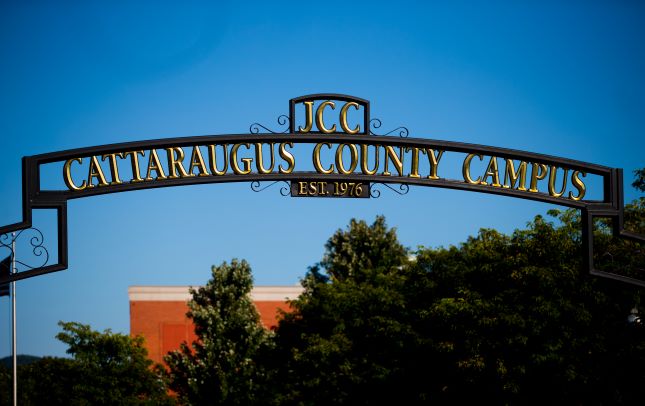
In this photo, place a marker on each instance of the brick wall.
(159, 313)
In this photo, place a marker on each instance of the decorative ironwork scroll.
(282, 121)
(403, 189)
(375, 123)
(257, 186)
(38, 250)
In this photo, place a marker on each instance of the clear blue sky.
(553, 78)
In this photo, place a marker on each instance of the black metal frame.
(611, 206)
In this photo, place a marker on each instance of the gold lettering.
(287, 156)
(302, 190)
(246, 162)
(259, 158)
(316, 159)
(67, 175)
(95, 172)
(414, 166)
(197, 161)
(511, 176)
(114, 168)
(353, 161)
(322, 188)
(396, 160)
(491, 170)
(538, 172)
(319, 117)
(154, 165)
(343, 118)
(175, 159)
(309, 113)
(212, 157)
(552, 178)
(134, 161)
(578, 184)
(364, 159)
(434, 162)
(465, 169)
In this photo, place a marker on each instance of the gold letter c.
(67, 175)
(465, 169)
(343, 118)
(319, 117)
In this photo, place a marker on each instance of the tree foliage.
(517, 319)
(505, 318)
(115, 367)
(354, 254)
(220, 367)
(105, 369)
(48, 381)
(349, 337)
(639, 179)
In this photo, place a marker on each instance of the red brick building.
(159, 313)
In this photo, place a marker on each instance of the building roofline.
(181, 293)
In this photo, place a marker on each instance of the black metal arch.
(34, 197)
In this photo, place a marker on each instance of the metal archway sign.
(347, 159)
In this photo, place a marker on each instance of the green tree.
(220, 367)
(106, 369)
(354, 254)
(516, 319)
(114, 368)
(639, 179)
(503, 318)
(5, 385)
(348, 339)
(48, 381)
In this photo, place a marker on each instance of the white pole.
(13, 321)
